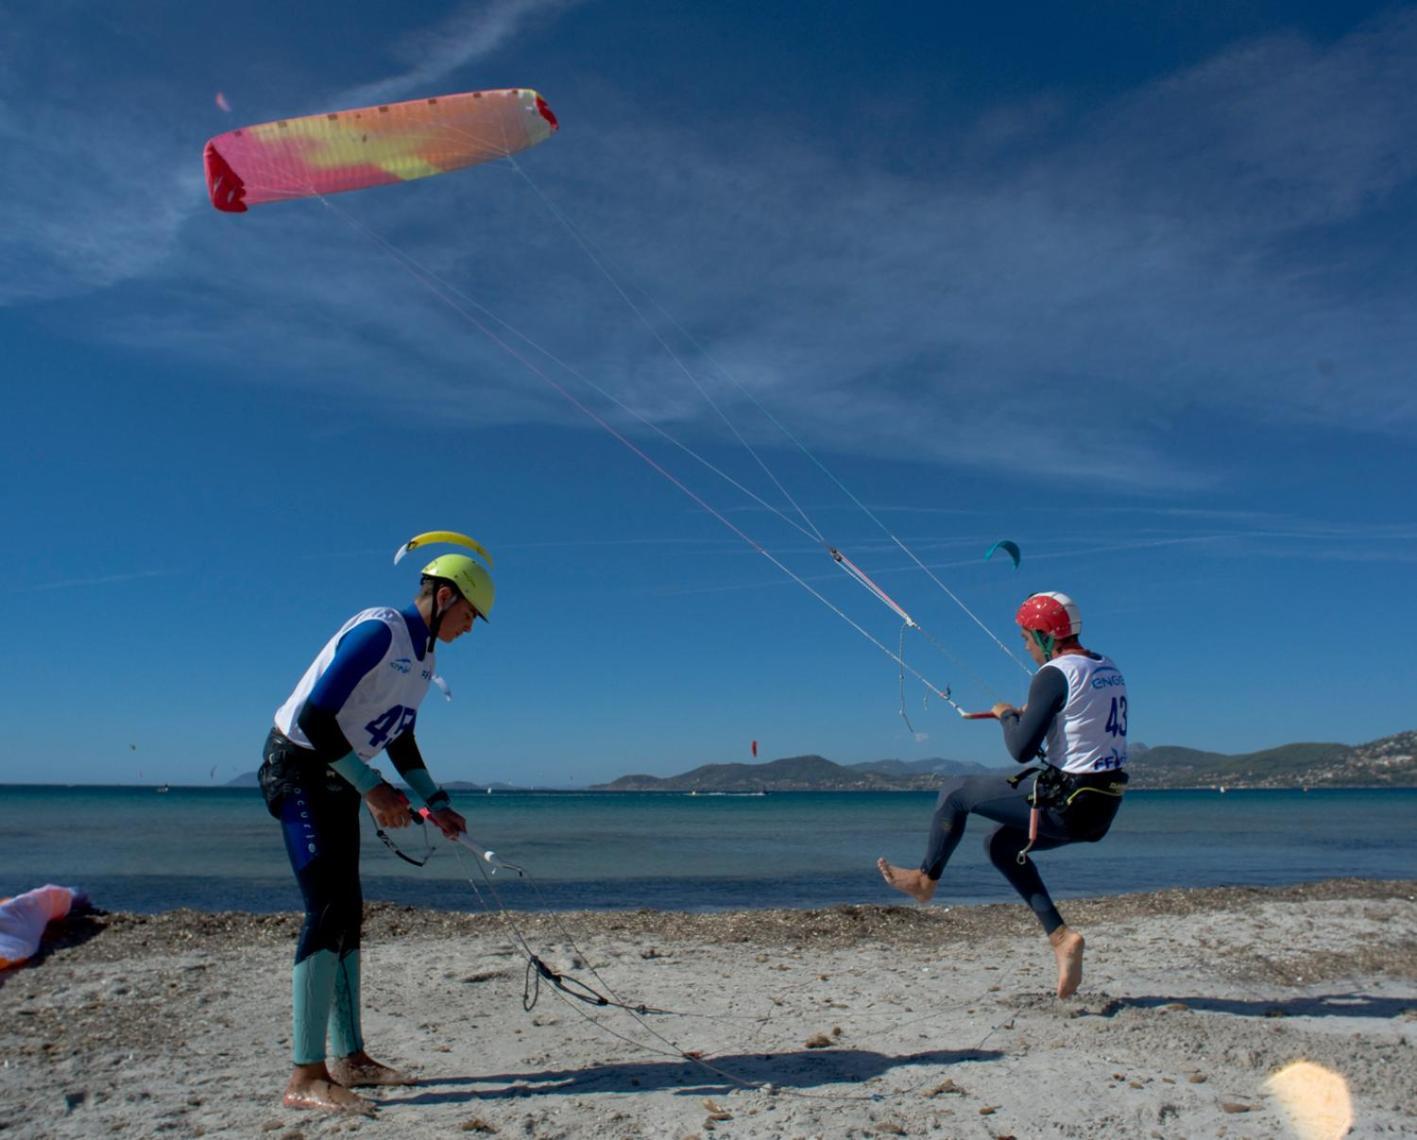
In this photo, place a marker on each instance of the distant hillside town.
(1389, 762)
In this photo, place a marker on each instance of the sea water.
(144, 850)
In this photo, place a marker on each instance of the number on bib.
(389, 724)
(1117, 718)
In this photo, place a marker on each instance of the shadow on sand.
(1317, 1005)
(795, 1070)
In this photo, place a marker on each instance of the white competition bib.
(1089, 734)
(384, 703)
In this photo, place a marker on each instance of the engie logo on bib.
(402, 664)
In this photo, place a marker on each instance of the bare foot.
(1067, 948)
(323, 1094)
(360, 1069)
(908, 880)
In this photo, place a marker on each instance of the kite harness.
(1056, 789)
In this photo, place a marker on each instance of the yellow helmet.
(470, 578)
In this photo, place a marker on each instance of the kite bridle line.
(828, 472)
(450, 295)
(502, 142)
(599, 262)
(578, 995)
(536, 966)
(470, 309)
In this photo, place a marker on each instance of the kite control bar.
(488, 857)
(963, 712)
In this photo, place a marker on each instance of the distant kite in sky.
(371, 146)
(755, 748)
(221, 102)
(452, 537)
(1008, 547)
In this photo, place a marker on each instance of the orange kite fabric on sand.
(24, 917)
(371, 146)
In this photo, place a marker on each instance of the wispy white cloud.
(100, 580)
(1092, 295)
(1072, 282)
(472, 33)
(94, 191)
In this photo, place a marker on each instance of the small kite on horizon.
(1008, 547)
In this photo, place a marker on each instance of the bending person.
(360, 696)
(1075, 722)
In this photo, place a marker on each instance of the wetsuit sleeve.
(1024, 733)
(359, 650)
(323, 731)
(403, 751)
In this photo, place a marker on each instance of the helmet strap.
(437, 617)
(1045, 642)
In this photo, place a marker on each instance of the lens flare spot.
(1315, 1099)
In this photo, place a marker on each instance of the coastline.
(867, 1020)
(475, 792)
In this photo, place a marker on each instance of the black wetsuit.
(1006, 800)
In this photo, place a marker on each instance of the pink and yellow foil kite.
(371, 146)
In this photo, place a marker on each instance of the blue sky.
(1132, 286)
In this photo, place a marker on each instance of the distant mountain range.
(1389, 762)
(800, 774)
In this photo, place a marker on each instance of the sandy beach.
(853, 1021)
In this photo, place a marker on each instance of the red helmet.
(1054, 614)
